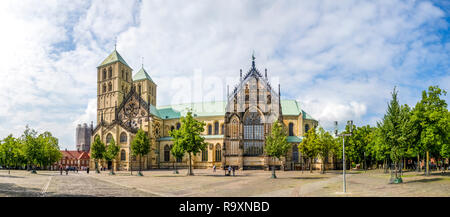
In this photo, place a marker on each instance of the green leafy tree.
(98, 150)
(178, 152)
(32, 148)
(8, 148)
(326, 145)
(430, 116)
(112, 150)
(50, 149)
(188, 137)
(140, 146)
(309, 146)
(276, 143)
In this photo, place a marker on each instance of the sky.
(339, 59)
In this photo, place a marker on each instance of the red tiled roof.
(75, 154)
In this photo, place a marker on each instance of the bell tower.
(114, 80)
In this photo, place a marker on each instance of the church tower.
(145, 86)
(114, 80)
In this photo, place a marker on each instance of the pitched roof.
(74, 154)
(141, 75)
(217, 108)
(112, 58)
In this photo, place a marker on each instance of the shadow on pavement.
(10, 176)
(308, 177)
(424, 180)
(13, 190)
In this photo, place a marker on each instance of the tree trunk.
(418, 163)
(310, 164)
(190, 166)
(428, 165)
(395, 167)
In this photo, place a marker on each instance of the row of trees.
(30, 149)
(404, 133)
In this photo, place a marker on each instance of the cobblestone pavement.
(52, 184)
(208, 183)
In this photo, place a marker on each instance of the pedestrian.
(214, 168)
(60, 169)
(76, 169)
(233, 170)
(229, 170)
(87, 170)
(67, 170)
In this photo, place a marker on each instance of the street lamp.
(9, 167)
(350, 125)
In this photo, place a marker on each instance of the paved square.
(208, 183)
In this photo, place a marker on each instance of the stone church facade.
(235, 129)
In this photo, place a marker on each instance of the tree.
(98, 150)
(309, 146)
(276, 143)
(32, 148)
(178, 152)
(112, 150)
(7, 151)
(50, 149)
(430, 115)
(140, 146)
(188, 137)
(393, 121)
(326, 145)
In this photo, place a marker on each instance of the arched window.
(222, 129)
(306, 128)
(205, 154)
(209, 129)
(123, 156)
(104, 88)
(218, 153)
(110, 72)
(166, 153)
(104, 74)
(216, 128)
(108, 138)
(178, 126)
(295, 153)
(109, 86)
(123, 137)
(139, 88)
(291, 129)
(253, 134)
(172, 128)
(269, 99)
(123, 75)
(234, 129)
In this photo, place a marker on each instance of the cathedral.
(235, 129)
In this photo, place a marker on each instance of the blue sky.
(339, 59)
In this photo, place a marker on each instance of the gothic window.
(108, 138)
(222, 129)
(209, 129)
(218, 153)
(172, 128)
(139, 88)
(291, 129)
(110, 72)
(104, 74)
(216, 128)
(123, 75)
(234, 129)
(205, 154)
(123, 137)
(126, 76)
(247, 93)
(295, 153)
(253, 134)
(123, 157)
(104, 88)
(178, 126)
(166, 153)
(306, 128)
(109, 86)
(269, 99)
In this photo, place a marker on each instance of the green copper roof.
(112, 58)
(141, 75)
(296, 139)
(208, 109)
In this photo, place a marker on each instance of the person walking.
(87, 170)
(214, 168)
(60, 169)
(229, 170)
(233, 170)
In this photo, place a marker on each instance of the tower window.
(104, 74)
(216, 128)
(109, 86)
(109, 72)
(291, 129)
(104, 88)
